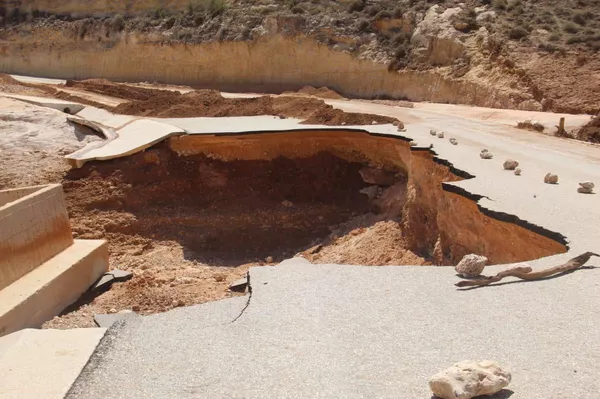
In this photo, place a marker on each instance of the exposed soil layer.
(356, 246)
(224, 213)
(210, 103)
(12, 86)
(105, 87)
(187, 226)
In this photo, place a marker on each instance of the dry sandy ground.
(33, 141)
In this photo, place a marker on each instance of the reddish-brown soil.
(108, 88)
(188, 226)
(354, 243)
(210, 103)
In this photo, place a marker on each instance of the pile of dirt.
(591, 131)
(12, 86)
(320, 92)
(108, 88)
(375, 241)
(211, 103)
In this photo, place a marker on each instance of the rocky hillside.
(537, 55)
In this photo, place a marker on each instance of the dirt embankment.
(108, 88)
(210, 103)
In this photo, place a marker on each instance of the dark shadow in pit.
(221, 213)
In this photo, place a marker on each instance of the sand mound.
(372, 244)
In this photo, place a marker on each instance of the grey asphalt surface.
(336, 331)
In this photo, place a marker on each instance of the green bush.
(356, 6)
(216, 7)
(517, 33)
(499, 4)
(554, 37)
(401, 37)
(373, 10)
(400, 52)
(383, 14)
(364, 25)
(398, 12)
(582, 17)
(118, 23)
(570, 27)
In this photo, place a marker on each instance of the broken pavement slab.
(355, 332)
(68, 107)
(38, 364)
(132, 138)
(239, 285)
(107, 280)
(107, 320)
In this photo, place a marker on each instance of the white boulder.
(471, 265)
(551, 178)
(468, 379)
(510, 164)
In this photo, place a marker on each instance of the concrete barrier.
(34, 227)
(42, 269)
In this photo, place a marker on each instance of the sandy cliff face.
(272, 64)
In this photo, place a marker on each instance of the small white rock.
(413, 144)
(440, 135)
(471, 265)
(433, 132)
(453, 141)
(587, 184)
(551, 178)
(518, 172)
(287, 204)
(485, 154)
(468, 379)
(510, 164)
